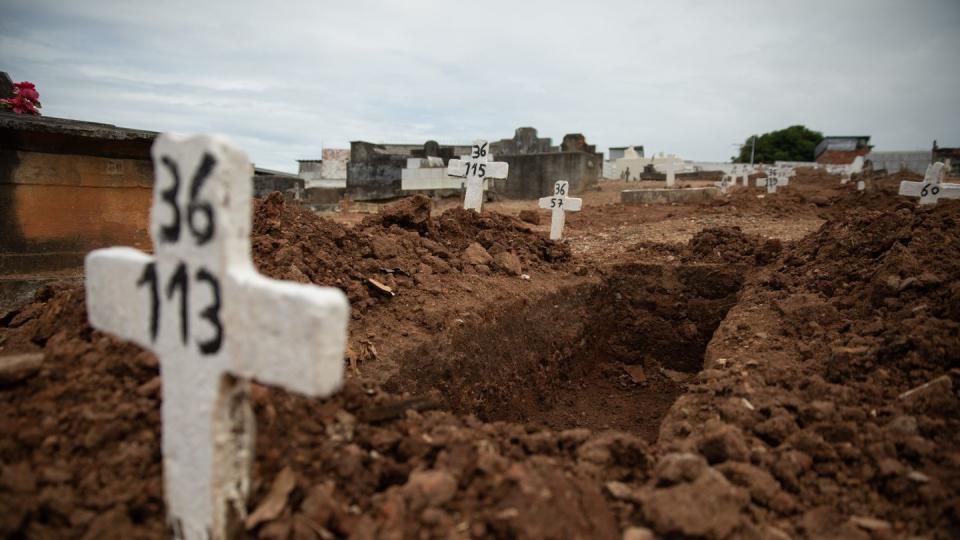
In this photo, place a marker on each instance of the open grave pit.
(607, 355)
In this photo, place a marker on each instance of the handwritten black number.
(479, 150)
(171, 232)
(561, 189)
(179, 280)
(204, 234)
(149, 276)
(483, 170)
(211, 313)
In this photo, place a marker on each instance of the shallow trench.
(613, 355)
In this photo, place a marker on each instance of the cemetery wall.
(532, 175)
(67, 187)
(896, 161)
(323, 199)
(292, 188)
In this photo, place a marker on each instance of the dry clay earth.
(777, 366)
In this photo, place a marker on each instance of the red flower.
(27, 90)
(20, 105)
(25, 100)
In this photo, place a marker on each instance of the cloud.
(691, 78)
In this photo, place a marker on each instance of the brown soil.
(742, 380)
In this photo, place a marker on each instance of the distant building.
(617, 152)
(328, 172)
(841, 149)
(950, 156)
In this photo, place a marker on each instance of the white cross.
(932, 186)
(559, 204)
(724, 182)
(771, 181)
(746, 176)
(671, 172)
(214, 323)
(476, 168)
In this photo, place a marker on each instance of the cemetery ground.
(783, 366)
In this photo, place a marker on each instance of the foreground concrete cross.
(214, 323)
(476, 168)
(559, 204)
(932, 187)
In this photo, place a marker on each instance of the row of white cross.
(774, 177)
(215, 323)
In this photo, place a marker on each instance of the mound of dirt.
(836, 376)
(731, 245)
(291, 242)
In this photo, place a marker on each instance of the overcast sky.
(283, 78)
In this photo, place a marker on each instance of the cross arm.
(910, 188)
(457, 168)
(118, 288)
(492, 169)
(296, 333)
(569, 203)
(572, 204)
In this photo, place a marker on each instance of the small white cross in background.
(746, 175)
(775, 178)
(214, 323)
(932, 186)
(724, 182)
(476, 168)
(559, 204)
(671, 172)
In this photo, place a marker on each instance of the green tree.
(795, 143)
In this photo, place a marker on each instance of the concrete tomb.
(214, 323)
(559, 204)
(932, 187)
(476, 167)
(535, 164)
